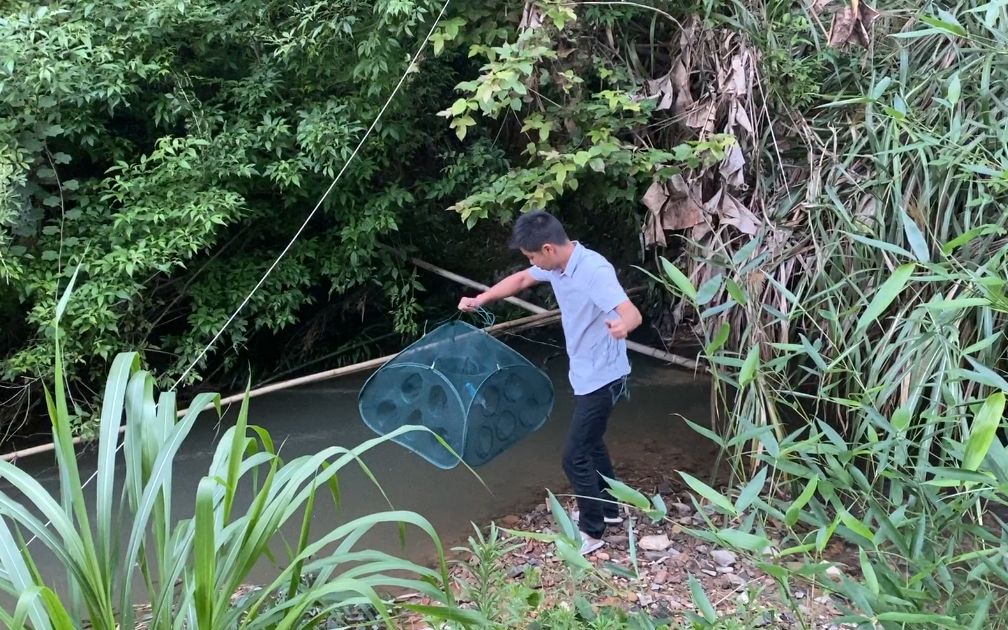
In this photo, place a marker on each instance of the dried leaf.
(730, 211)
(735, 82)
(742, 118)
(680, 82)
(531, 17)
(853, 24)
(734, 213)
(819, 6)
(662, 88)
(843, 26)
(653, 232)
(702, 116)
(731, 168)
(674, 205)
(701, 230)
(655, 197)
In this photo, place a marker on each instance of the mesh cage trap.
(474, 391)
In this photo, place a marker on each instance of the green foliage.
(174, 147)
(571, 132)
(191, 569)
(860, 381)
(523, 602)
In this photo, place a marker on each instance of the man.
(596, 317)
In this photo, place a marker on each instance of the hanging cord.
(297, 234)
(484, 317)
(336, 180)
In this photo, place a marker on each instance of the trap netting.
(478, 394)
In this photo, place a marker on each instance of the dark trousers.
(586, 458)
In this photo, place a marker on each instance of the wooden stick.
(674, 359)
(532, 321)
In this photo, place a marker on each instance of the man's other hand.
(617, 328)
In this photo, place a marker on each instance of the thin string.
(332, 185)
(484, 317)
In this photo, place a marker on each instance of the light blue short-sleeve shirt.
(588, 293)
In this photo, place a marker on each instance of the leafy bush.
(193, 570)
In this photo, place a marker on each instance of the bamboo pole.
(674, 359)
(532, 321)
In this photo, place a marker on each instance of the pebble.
(682, 509)
(710, 573)
(723, 557)
(661, 577)
(617, 539)
(603, 556)
(725, 570)
(734, 579)
(655, 543)
(834, 573)
(510, 521)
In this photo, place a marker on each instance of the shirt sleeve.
(539, 273)
(606, 291)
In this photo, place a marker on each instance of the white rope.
(297, 234)
(319, 204)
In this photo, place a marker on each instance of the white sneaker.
(589, 544)
(609, 520)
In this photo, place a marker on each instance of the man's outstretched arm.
(512, 285)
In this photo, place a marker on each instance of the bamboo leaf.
(709, 289)
(918, 244)
(709, 493)
(945, 21)
(749, 367)
(700, 600)
(743, 540)
(793, 511)
(954, 89)
(563, 519)
(871, 581)
(720, 337)
(751, 491)
(679, 280)
(857, 526)
(885, 295)
(736, 292)
(624, 493)
(901, 419)
(983, 430)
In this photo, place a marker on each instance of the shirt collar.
(573, 261)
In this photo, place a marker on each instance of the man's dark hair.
(533, 230)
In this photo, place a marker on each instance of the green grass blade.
(29, 604)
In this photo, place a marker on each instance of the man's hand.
(470, 304)
(617, 328)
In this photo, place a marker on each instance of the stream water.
(308, 419)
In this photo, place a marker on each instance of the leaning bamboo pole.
(515, 325)
(674, 359)
(540, 317)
